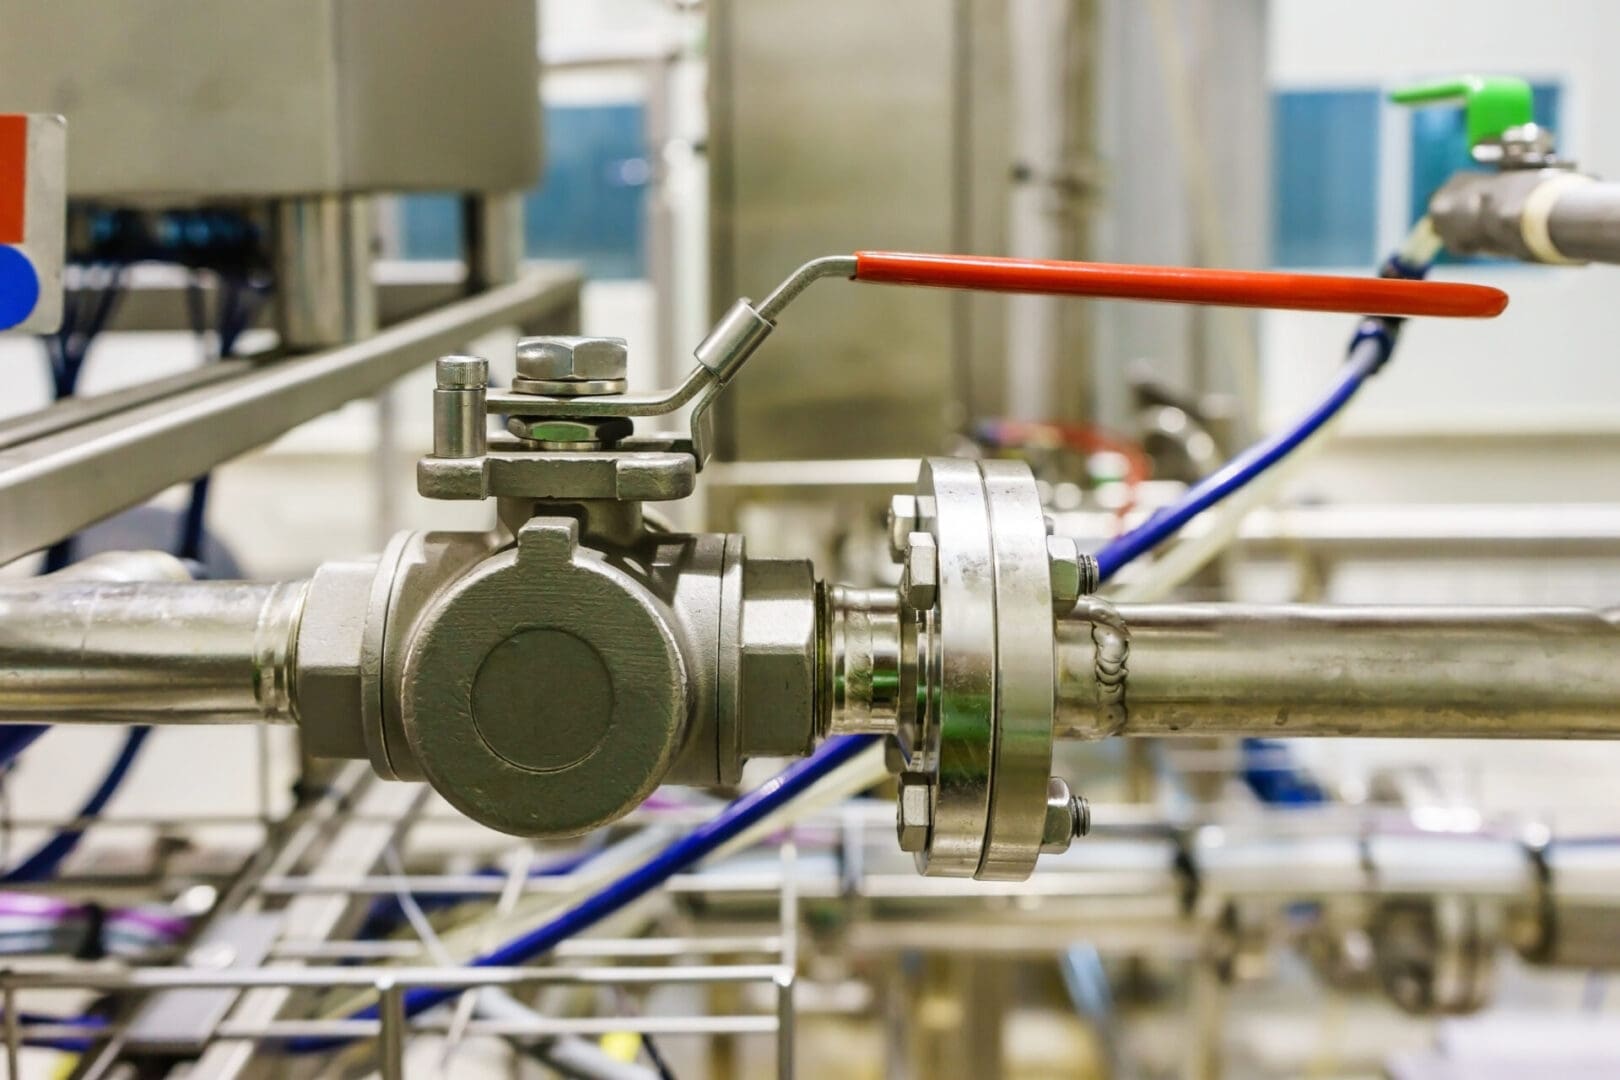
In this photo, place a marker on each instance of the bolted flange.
(977, 571)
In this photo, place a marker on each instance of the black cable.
(656, 1056)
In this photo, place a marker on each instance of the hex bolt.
(459, 423)
(902, 523)
(914, 813)
(1074, 572)
(919, 580)
(1067, 816)
(573, 359)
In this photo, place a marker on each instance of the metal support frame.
(1126, 888)
(274, 1000)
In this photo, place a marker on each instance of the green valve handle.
(1491, 103)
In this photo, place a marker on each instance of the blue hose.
(735, 819)
(1371, 347)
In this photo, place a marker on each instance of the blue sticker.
(19, 287)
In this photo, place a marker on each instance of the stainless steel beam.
(1298, 670)
(76, 410)
(58, 483)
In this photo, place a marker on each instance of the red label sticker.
(13, 177)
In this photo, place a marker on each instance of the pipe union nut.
(776, 671)
(328, 674)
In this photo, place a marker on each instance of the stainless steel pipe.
(86, 651)
(1584, 222)
(1295, 670)
(1539, 215)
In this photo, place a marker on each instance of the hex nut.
(327, 679)
(604, 431)
(776, 672)
(914, 813)
(553, 358)
(919, 581)
(902, 522)
(1068, 575)
(1067, 816)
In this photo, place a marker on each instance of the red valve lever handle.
(1184, 285)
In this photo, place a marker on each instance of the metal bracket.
(510, 470)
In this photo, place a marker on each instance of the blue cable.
(1371, 347)
(735, 819)
(44, 863)
(1269, 770)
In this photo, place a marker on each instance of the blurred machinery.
(529, 832)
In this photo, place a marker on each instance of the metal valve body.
(546, 685)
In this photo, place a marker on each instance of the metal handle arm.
(1184, 285)
(746, 325)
